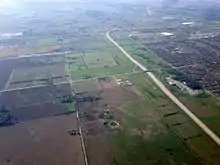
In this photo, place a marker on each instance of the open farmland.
(100, 66)
(45, 60)
(187, 131)
(32, 71)
(40, 142)
(6, 68)
(177, 59)
(144, 122)
(171, 118)
(87, 86)
(68, 95)
(32, 103)
(103, 60)
(99, 60)
(37, 74)
(26, 44)
(36, 120)
(92, 113)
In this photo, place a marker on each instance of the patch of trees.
(5, 117)
(190, 82)
(67, 99)
(87, 98)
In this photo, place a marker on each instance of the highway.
(163, 88)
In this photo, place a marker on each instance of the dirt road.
(209, 132)
(35, 86)
(78, 121)
(34, 55)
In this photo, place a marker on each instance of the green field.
(99, 60)
(146, 140)
(153, 125)
(150, 115)
(187, 130)
(87, 86)
(103, 61)
(175, 119)
(71, 107)
(153, 130)
(204, 105)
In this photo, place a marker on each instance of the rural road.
(78, 121)
(209, 132)
(29, 87)
(34, 55)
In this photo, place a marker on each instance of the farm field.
(32, 75)
(32, 71)
(144, 122)
(148, 121)
(23, 45)
(174, 122)
(102, 61)
(40, 142)
(6, 68)
(33, 103)
(68, 95)
(93, 117)
(38, 126)
(99, 60)
(203, 105)
(87, 86)
(39, 120)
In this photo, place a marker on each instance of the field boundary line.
(9, 79)
(65, 82)
(163, 88)
(35, 55)
(99, 77)
(36, 86)
(35, 104)
(78, 121)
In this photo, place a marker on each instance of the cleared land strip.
(209, 132)
(36, 86)
(78, 120)
(9, 80)
(34, 55)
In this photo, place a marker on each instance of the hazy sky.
(17, 3)
(10, 3)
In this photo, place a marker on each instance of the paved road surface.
(209, 132)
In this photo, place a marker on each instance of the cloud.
(9, 3)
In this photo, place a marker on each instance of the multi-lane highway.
(163, 88)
